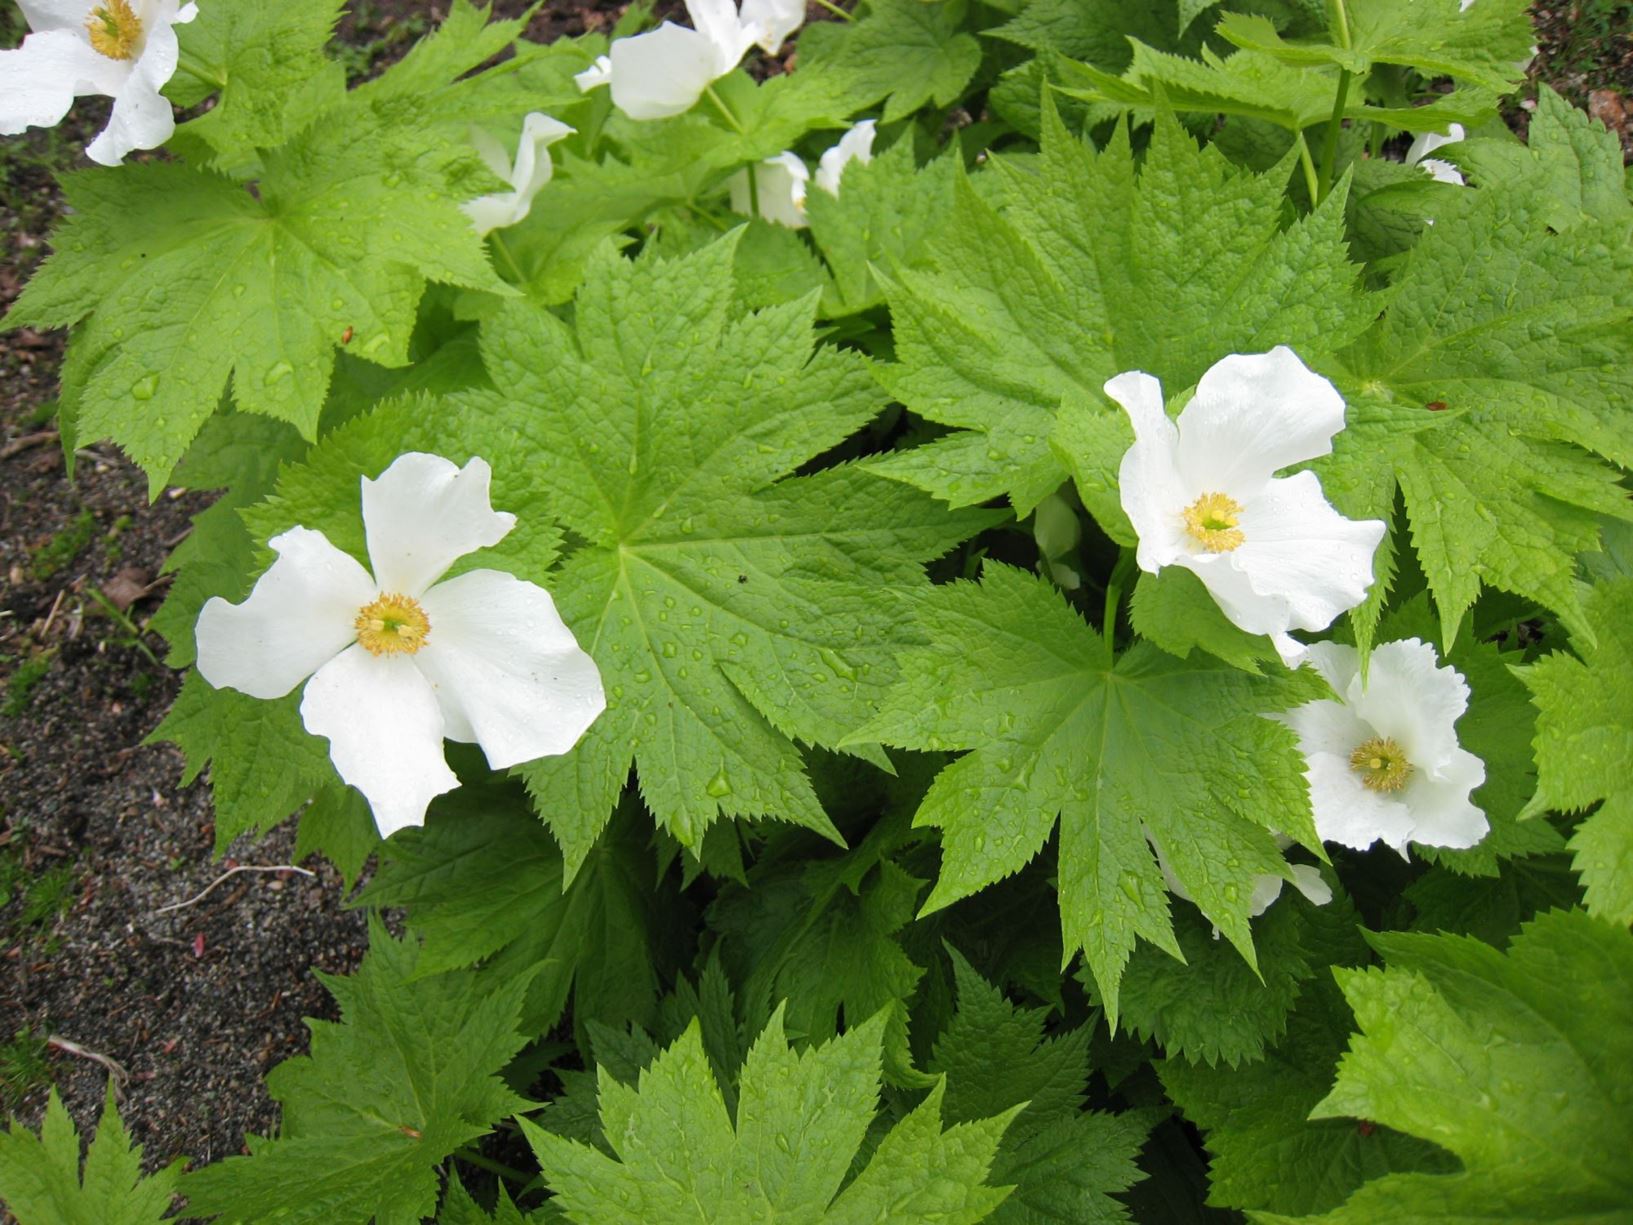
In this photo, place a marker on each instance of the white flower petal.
(1427, 142)
(1414, 701)
(855, 145)
(1338, 664)
(504, 665)
(424, 513)
(1255, 413)
(1442, 172)
(599, 73)
(40, 79)
(1308, 881)
(57, 14)
(1298, 548)
(1266, 889)
(1349, 813)
(662, 72)
(780, 185)
(727, 32)
(299, 615)
(141, 116)
(776, 20)
(527, 176)
(1324, 726)
(384, 731)
(1148, 481)
(1247, 608)
(1442, 813)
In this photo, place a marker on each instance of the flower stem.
(471, 1157)
(725, 111)
(1338, 19)
(502, 248)
(754, 191)
(835, 10)
(1329, 151)
(1311, 181)
(1121, 573)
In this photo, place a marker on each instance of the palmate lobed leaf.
(1113, 747)
(1501, 365)
(1584, 744)
(1080, 268)
(347, 223)
(41, 1182)
(407, 1076)
(800, 1117)
(731, 609)
(1517, 1062)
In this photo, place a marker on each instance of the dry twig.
(230, 872)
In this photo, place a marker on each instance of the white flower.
(1202, 494)
(1383, 761)
(855, 145)
(1427, 143)
(1266, 888)
(781, 182)
(530, 171)
(398, 661)
(119, 48)
(665, 71)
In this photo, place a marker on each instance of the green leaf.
(883, 216)
(1058, 727)
(1085, 269)
(482, 881)
(1212, 1008)
(912, 53)
(1584, 744)
(1571, 166)
(40, 1179)
(1480, 44)
(266, 63)
(820, 938)
(348, 223)
(263, 763)
(1505, 356)
(1517, 1062)
(1065, 1163)
(409, 1075)
(800, 1118)
(1267, 1154)
(730, 611)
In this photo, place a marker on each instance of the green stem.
(189, 63)
(500, 247)
(1311, 181)
(1329, 151)
(1339, 19)
(835, 10)
(754, 190)
(471, 1157)
(725, 111)
(1115, 586)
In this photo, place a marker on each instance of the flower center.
(115, 29)
(1381, 763)
(393, 624)
(1211, 520)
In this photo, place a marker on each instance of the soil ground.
(188, 1008)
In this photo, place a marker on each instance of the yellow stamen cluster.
(115, 29)
(1382, 764)
(1211, 520)
(392, 625)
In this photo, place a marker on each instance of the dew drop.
(144, 387)
(719, 785)
(278, 373)
(669, 650)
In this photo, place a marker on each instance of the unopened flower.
(665, 71)
(1266, 887)
(1383, 762)
(1202, 493)
(781, 182)
(125, 49)
(1427, 143)
(398, 660)
(526, 175)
